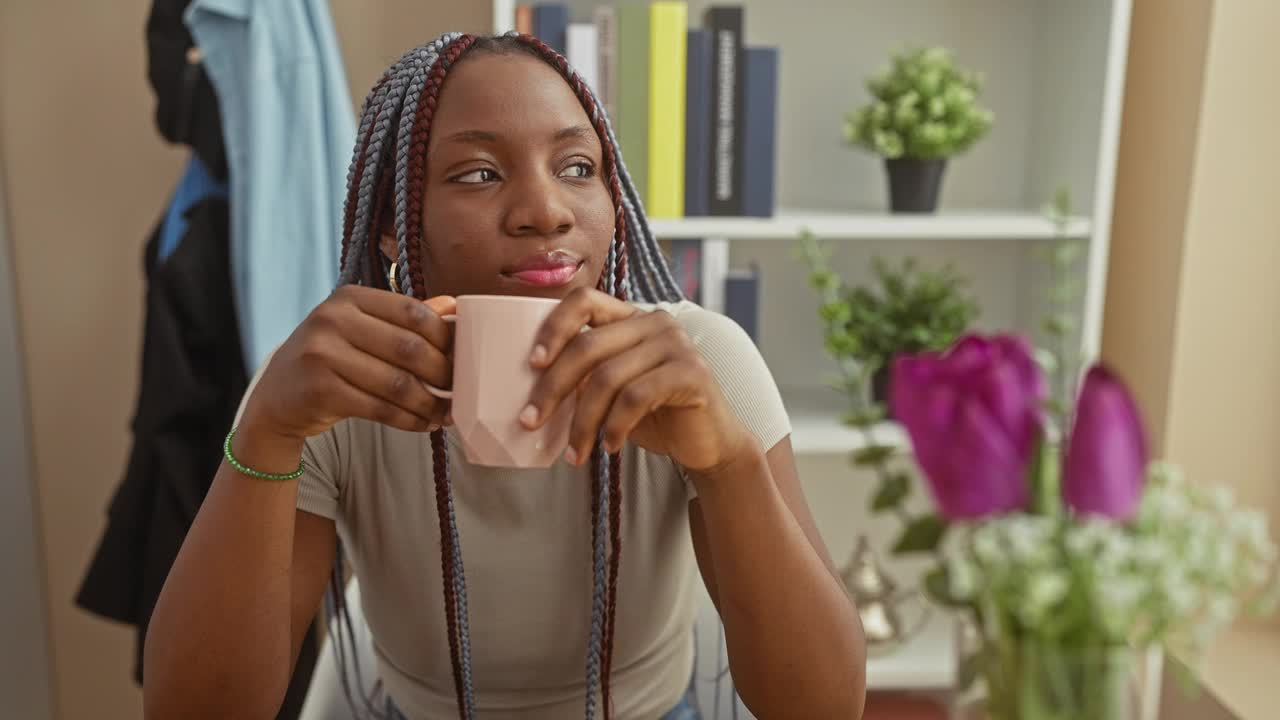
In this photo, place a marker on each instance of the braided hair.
(387, 175)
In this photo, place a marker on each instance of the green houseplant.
(923, 110)
(907, 309)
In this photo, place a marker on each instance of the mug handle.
(440, 392)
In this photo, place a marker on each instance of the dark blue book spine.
(697, 131)
(742, 300)
(725, 24)
(551, 25)
(760, 123)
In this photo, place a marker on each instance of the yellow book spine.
(668, 28)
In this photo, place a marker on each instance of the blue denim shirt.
(289, 127)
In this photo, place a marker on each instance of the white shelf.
(816, 427)
(928, 661)
(946, 225)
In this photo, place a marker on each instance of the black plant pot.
(914, 183)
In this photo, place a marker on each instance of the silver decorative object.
(878, 600)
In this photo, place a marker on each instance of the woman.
(485, 166)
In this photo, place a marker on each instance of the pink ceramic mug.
(492, 379)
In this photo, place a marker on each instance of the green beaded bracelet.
(243, 470)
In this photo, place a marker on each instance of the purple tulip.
(974, 416)
(1106, 456)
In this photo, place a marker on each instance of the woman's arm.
(795, 643)
(230, 620)
(227, 627)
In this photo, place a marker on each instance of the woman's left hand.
(638, 378)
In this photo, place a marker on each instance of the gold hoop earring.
(391, 280)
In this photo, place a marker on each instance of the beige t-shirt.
(526, 550)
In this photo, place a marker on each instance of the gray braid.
(599, 538)
(381, 112)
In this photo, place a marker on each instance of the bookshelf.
(1054, 77)
(787, 225)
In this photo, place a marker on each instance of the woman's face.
(514, 200)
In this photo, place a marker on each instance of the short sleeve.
(318, 488)
(740, 370)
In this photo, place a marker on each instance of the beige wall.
(1153, 183)
(87, 176)
(1224, 400)
(1192, 292)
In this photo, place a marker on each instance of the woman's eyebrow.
(574, 132)
(473, 136)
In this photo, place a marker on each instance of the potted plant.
(923, 111)
(908, 309)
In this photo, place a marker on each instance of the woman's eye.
(579, 170)
(475, 177)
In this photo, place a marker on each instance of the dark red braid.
(440, 468)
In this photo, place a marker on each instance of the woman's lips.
(547, 277)
(552, 269)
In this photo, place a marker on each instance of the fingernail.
(571, 455)
(432, 428)
(529, 415)
(539, 354)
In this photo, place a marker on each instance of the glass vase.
(1034, 679)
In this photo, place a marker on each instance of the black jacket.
(186, 104)
(192, 380)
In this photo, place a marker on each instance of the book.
(686, 267)
(715, 265)
(633, 92)
(742, 300)
(697, 124)
(524, 19)
(668, 28)
(759, 130)
(550, 23)
(582, 51)
(725, 24)
(606, 20)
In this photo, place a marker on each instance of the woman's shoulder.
(705, 325)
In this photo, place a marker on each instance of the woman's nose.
(538, 207)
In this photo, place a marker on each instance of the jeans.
(686, 709)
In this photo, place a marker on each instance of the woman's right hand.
(362, 353)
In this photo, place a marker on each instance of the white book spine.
(583, 52)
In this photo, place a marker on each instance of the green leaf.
(864, 417)
(1047, 361)
(1058, 325)
(970, 670)
(1043, 480)
(1067, 253)
(937, 586)
(923, 534)
(894, 488)
(873, 454)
